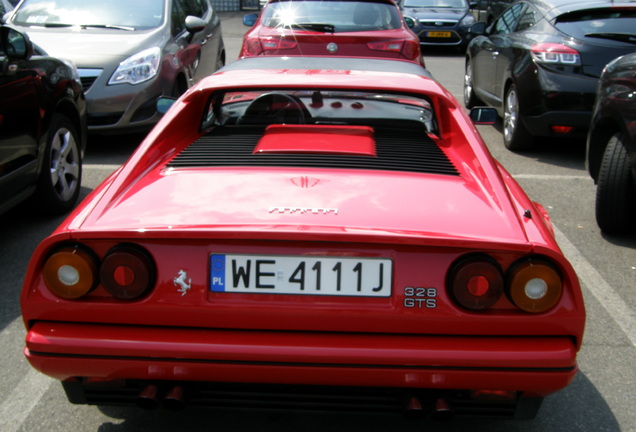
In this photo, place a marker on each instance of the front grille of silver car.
(88, 77)
(439, 24)
(397, 150)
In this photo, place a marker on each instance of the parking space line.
(613, 304)
(17, 405)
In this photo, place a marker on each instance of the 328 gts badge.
(421, 298)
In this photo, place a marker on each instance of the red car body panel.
(421, 222)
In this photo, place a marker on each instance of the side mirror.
(164, 103)
(16, 45)
(410, 22)
(483, 115)
(473, 4)
(479, 28)
(250, 19)
(194, 24)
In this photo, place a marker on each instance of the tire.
(615, 195)
(180, 87)
(61, 174)
(516, 136)
(470, 99)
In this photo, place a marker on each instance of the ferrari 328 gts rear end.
(331, 236)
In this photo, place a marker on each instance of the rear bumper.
(534, 365)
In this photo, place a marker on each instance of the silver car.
(128, 52)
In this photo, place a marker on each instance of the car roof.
(327, 63)
(555, 8)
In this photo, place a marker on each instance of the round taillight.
(534, 286)
(70, 273)
(127, 273)
(476, 283)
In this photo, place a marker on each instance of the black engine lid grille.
(396, 149)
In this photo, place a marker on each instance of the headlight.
(468, 20)
(137, 68)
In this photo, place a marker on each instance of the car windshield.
(609, 24)
(115, 14)
(435, 3)
(338, 16)
(320, 107)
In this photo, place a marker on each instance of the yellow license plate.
(439, 34)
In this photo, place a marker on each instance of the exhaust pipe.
(413, 409)
(442, 411)
(147, 399)
(174, 400)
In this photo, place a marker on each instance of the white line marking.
(551, 177)
(615, 306)
(111, 167)
(17, 405)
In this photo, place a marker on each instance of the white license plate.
(304, 275)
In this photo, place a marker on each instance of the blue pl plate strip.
(217, 273)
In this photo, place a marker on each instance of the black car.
(611, 146)
(439, 22)
(42, 127)
(538, 64)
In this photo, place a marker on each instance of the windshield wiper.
(325, 28)
(621, 37)
(108, 26)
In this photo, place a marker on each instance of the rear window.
(323, 107)
(333, 16)
(607, 23)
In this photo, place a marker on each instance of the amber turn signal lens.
(127, 273)
(534, 286)
(476, 283)
(70, 273)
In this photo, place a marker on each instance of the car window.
(177, 24)
(615, 23)
(323, 107)
(509, 20)
(436, 3)
(196, 8)
(134, 15)
(344, 16)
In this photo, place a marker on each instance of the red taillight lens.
(127, 272)
(476, 283)
(557, 54)
(561, 130)
(534, 285)
(70, 273)
(411, 50)
(277, 44)
(252, 47)
(392, 45)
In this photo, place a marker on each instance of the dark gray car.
(128, 53)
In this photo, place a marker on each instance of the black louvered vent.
(396, 149)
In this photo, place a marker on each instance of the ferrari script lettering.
(303, 210)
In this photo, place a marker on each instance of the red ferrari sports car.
(334, 234)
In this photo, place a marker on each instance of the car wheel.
(60, 178)
(615, 195)
(220, 62)
(516, 136)
(180, 87)
(470, 99)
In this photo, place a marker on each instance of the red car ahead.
(348, 28)
(335, 231)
